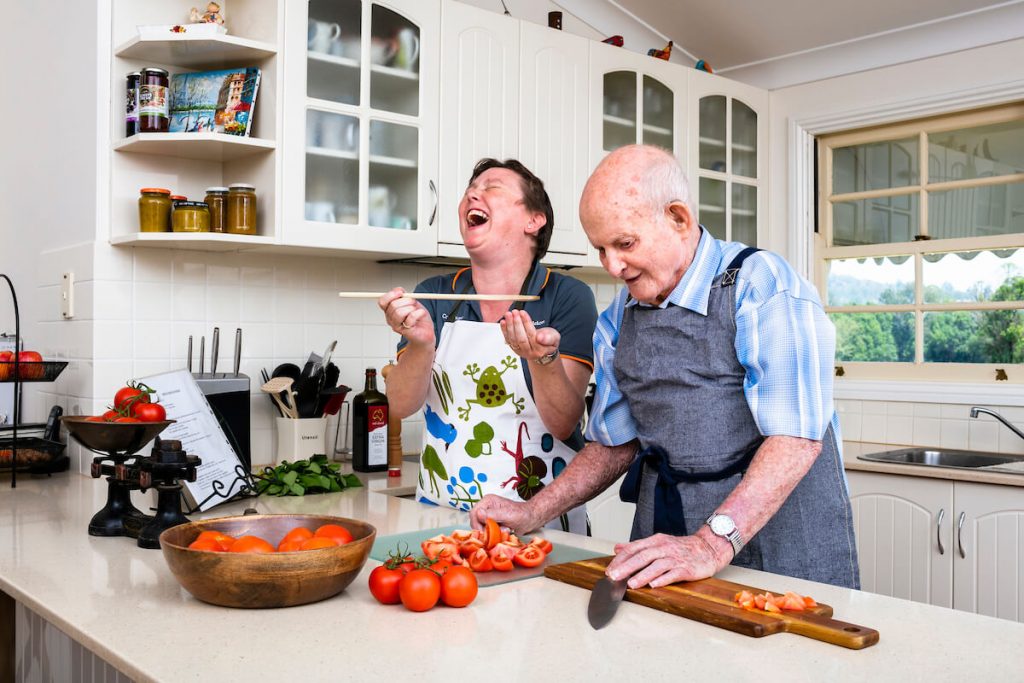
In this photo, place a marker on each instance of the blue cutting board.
(411, 539)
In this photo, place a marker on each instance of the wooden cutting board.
(711, 601)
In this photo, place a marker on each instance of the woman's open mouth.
(476, 217)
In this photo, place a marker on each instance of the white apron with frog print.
(483, 433)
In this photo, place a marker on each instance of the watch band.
(549, 358)
(729, 531)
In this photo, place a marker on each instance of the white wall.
(536, 11)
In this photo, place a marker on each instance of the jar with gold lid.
(241, 209)
(190, 217)
(216, 199)
(154, 210)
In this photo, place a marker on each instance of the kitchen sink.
(944, 457)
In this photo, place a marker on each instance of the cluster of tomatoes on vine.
(135, 402)
(420, 583)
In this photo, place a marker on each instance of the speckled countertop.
(123, 603)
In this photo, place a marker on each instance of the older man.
(714, 369)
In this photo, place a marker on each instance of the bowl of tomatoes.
(259, 561)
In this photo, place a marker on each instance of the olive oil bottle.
(370, 427)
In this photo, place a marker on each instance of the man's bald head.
(633, 179)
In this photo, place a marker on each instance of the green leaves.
(316, 475)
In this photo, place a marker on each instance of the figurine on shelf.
(615, 40)
(664, 53)
(703, 66)
(212, 15)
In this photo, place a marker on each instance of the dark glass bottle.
(370, 427)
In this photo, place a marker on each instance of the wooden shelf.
(203, 146)
(346, 62)
(199, 241)
(392, 72)
(715, 142)
(619, 121)
(392, 161)
(332, 153)
(196, 53)
(657, 130)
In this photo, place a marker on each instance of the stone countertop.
(852, 463)
(123, 603)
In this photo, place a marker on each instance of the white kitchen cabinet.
(479, 108)
(728, 156)
(361, 119)
(954, 544)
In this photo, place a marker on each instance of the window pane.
(978, 152)
(744, 140)
(619, 109)
(711, 212)
(974, 276)
(394, 58)
(976, 211)
(657, 114)
(870, 281)
(744, 214)
(974, 336)
(874, 337)
(333, 47)
(875, 221)
(875, 166)
(712, 133)
(393, 192)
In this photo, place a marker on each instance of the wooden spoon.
(275, 387)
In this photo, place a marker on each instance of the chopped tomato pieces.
(774, 603)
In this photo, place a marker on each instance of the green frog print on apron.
(483, 433)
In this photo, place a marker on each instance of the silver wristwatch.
(722, 525)
(549, 358)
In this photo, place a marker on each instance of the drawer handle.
(960, 534)
(433, 191)
(938, 531)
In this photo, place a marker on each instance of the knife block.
(228, 396)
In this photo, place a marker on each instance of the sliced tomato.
(492, 534)
(480, 561)
(530, 556)
(743, 596)
(770, 606)
(502, 563)
(809, 602)
(513, 541)
(759, 601)
(542, 543)
(470, 546)
(439, 549)
(793, 603)
(462, 535)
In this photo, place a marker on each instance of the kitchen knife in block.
(711, 601)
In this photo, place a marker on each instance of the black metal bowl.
(112, 437)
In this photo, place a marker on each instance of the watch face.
(722, 525)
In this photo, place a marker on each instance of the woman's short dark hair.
(535, 197)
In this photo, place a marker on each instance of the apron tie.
(669, 517)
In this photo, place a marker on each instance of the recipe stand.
(49, 371)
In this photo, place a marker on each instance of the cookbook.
(214, 101)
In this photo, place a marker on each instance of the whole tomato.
(419, 590)
(30, 371)
(458, 587)
(149, 412)
(384, 584)
(128, 396)
(6, 365)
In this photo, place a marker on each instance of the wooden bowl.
(256, 580)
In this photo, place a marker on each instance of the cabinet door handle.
(938, 531)
(960, 534)
(433, 213)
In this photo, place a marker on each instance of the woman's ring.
(406, 327)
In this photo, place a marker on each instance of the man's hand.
(661, 559)
(507, 513)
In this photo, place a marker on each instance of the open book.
(214, 101)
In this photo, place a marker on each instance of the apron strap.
(669, 517)
(733, 269)
(469, 283)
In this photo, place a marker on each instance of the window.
(921, 254)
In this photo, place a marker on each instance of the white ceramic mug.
(320, 34)
(380, 203)
(382, 51)
(339, 132)
(300, 439)
(408, 49)
(320, 211)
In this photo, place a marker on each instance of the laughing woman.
(500, 383)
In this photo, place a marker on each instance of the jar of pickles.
(190, 217)
(216, 199)
(241, 209)
(155, 210)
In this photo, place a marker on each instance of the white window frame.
(802, 130)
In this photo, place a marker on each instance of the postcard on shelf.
(214, 101)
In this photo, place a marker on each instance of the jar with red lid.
(154, 210)
(154, 101)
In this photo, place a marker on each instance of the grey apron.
(684, 384)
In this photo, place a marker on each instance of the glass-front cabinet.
(361, 125)
(728, 160)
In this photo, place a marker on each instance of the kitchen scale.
(116, 444)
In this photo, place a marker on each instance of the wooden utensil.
(443, 297)
(275, 387)
(711, 601)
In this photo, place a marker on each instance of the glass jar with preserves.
(216, 199)
(241, 213)
(155, 210)
(154, 101)
(190, 217)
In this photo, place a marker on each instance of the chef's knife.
(214, 351)
(238, 349)
(190, 353)
(202, 353)
(604, 601)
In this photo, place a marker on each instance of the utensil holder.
(300, 439)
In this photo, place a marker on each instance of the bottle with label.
(154, 101)
(370, 427)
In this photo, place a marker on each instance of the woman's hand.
(407, 317)
(526, 340)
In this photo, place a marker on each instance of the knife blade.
(215, 351)
(604, 601)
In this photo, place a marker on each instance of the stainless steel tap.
(976, 410)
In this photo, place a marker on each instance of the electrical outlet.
(67, 296)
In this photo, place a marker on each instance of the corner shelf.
(191, 52)
(195, 241)
(202, 146)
